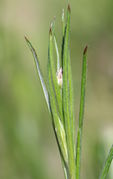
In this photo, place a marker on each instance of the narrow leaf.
(71, 105)
(81, 114)
(55, 43)
(57, 88)
(59, 129)
(66, 95)
(107, 164)
(64, 163)
(57, 53)
(39, 71)
(62, 138)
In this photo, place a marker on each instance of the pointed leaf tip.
(26, 38)
(53, 23)
(39, 71)
(85, 50)
(69, 8)
(29, 44)
(50, 31)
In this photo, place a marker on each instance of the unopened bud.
(60, 77)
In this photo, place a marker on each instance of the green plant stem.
(107, 164)
(66, 103)
(81, 115)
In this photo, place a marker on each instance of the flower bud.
(60, 77)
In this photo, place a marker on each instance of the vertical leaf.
(107, 164)
(57, 88)
(59, 129)
(66, 96)
(55, 44)
(81, 114)
(71, 105)
(57, 53)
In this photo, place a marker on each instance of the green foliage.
(107, 164)
(59, 98)
(39, 71)
(68, 116)
(81, 114)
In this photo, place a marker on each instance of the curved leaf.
(39, 71)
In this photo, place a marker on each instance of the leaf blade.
(59, 129)
(39, 71)
(81, 114)
(66, 96)
(57, 88)
(107, 164)
(57, 53)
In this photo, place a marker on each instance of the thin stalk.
(107, 164)
(81, 115)
(66, 99)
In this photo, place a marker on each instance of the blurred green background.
(28, 148)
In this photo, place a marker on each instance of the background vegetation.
(28, 148)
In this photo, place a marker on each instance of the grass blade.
(57, 88)
(81, 114)
(52, 81)
(39, 71)
(71, 104)
(66, 94)
(55, 43)
(57, 53)
(107, 164)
